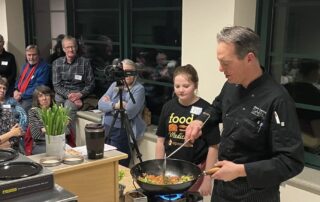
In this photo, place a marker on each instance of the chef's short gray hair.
(244, 39)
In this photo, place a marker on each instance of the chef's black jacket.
(261, 131)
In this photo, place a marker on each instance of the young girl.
(176, 115)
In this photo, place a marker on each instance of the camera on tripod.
(116, 72)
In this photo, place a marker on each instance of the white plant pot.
(55, 145)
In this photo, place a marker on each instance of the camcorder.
(115, 72)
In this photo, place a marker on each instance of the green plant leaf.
(55, 119)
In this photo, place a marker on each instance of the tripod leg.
(131, 136)
(115, 116)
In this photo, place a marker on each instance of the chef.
(261, 142)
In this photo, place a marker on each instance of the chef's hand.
(229, 171)
(193, 130)
(206, 186)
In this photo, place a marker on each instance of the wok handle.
(211, 170)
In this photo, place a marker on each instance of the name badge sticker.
(4, 63)
(78, 77)
(6, 106)
(196, 110)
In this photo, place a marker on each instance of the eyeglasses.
(70, 47)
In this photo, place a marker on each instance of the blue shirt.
(134, 111)
(41, 76)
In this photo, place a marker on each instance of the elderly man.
(72, 78)
(8, 67)
(34, 73)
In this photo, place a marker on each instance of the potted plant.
(55, 120)
(121, 175)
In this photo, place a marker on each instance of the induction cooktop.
(20, 175)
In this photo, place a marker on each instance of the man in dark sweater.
(8, 67)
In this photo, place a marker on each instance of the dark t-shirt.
(174, 120)
(8, 69)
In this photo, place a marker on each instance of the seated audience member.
(145, 61)
(72, 78)
(110, 102)
(187, 106)
(157, 95)
(101, 59)
(161, 60)
(42, 98)
(57, 50)
(34, 73)
(13, 119)
(8, 67)
(164, 68)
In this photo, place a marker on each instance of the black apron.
(238, 190)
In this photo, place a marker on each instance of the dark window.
(139, 30)
(293, 59)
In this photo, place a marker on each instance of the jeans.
(118, 137)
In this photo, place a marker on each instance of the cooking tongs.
(178, 148)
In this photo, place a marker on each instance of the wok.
(174, 167)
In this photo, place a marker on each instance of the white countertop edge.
(308, 180)
(90, 116)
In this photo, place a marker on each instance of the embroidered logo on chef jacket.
(261, 114)
(258, 112)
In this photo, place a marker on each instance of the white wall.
(201, 21)
(12, 28)
(3, 22)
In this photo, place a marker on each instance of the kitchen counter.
(92, 180)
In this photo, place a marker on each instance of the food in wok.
(174, 167)
(164, 180)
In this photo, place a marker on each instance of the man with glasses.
(72, 78)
